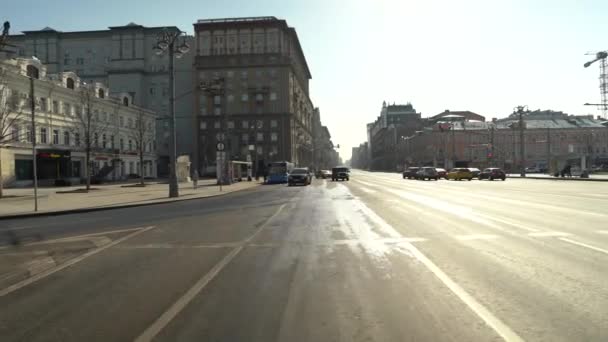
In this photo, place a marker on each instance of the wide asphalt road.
(377, 258)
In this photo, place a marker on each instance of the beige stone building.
(59, 105)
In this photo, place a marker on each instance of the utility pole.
(522, 146)
(33, 135)
(492, 143)
(453, 145)
(548, 150)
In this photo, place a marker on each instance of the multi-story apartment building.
(252, 85)
(394, 122)
(116, 129)
(121, 57)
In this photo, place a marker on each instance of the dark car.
(492, 173)
(441, 173)
(341, 173)
(427, 173)
(410, 172)
(299, 176)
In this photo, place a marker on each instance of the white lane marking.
(508, 222)
(164, 319)
(477, 237)
(597, 249)
(69, 263)
(367, 183)
(549, 234)
(368, 190)
(40, 265)
(91, 237)
(494, 322)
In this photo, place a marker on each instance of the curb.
(561, 179)
(118, 206)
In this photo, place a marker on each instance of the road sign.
(220, 136)
(220, 146)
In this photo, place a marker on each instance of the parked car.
(410, 172)
(299, 176)
(340, 173)
(427, 173)
(475, 171)
(325, 174)
(460, 173)
(532, 169)
(441, 173)
(492, 173)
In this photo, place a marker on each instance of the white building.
(115, 132)
(122, 57)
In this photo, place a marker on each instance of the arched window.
(102, 94)
(32, 71)
(125, 101)
(69, 83)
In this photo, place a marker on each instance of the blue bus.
(278, 172)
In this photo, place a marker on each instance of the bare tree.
(142, 137)
(90, 125)
(10, 114)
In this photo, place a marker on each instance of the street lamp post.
(166, 42)
(521, 110)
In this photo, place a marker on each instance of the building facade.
(551, 140)
(114, 130)
(384, 134)
(251, 92)
(121, 57)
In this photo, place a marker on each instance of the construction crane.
(601, 57)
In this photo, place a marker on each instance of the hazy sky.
(485, 56)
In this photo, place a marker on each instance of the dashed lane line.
(549, 234)
(69, 263)
(574, 242)
(164, 319)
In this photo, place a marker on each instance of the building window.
(125, 101)
(260, 136)
(122, 144)
(230, 74)
(43, 104)
(274, 149)
(28, 134)
(55, 136)
(96, 139)
(66, 138)
(80, 61)
(217, 100)
(69, 83)
(259, 98)
(32, 71)
(245, 97)
(244, 124)
(258, 73)
(244, 75)
(101, 93)
(152, 91)
(245, 138)
(216, 124)
(165, 91)
(203, 125)
(217, 111)
(273, 96)
(260, 150)
(77, 139)
(230, 98)
(43, 135)
(130, 123)
(274, 136)
(104, 141)
(67, 109)
(273, 123)
(15, 133)
(230, 124)
(121, 121)
(273, 73)
(112, 141)
(130, 145)
(55, 107)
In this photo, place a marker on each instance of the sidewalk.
(592, 177)
(20, 202)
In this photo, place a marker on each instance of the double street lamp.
(168, 41)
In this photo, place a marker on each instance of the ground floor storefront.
(65, 167)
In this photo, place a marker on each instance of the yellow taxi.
(460, 173)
